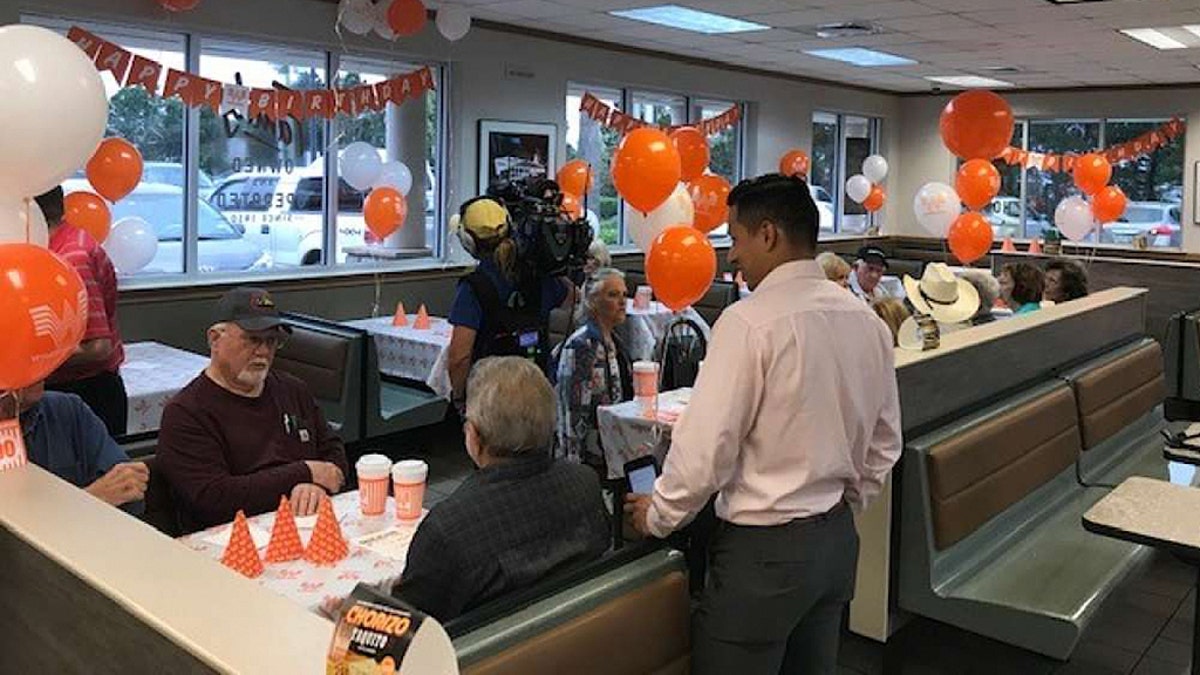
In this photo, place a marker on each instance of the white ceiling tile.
(807, 17)
(945, 22)
(533, 9)
(740, 8)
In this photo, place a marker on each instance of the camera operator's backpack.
(512, 326)
(682, 349)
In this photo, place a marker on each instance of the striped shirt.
(80, 251)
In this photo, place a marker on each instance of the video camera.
(549, 242)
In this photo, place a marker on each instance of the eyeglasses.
(272, 342)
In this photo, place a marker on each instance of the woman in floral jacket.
(593, 370)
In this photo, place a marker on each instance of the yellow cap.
(486, 219)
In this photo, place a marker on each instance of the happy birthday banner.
(1145, 144)
(615, 119)
(277, 103)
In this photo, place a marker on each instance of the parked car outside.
(221, 247)
(165, 173)
(824, 206)
(284, 212)
(1158, 221)
(1004, 213)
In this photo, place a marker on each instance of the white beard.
(252, 377)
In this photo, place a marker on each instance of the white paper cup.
(645, 386)
(408, 484)
(373, 472)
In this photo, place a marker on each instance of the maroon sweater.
(221, 452)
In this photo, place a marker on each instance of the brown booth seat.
(328, 358)
(979, 473)
(1117, 393)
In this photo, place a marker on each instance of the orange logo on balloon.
(709, 194)
(44, 309)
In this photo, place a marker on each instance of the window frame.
(194, 40)
(693, 115)
(840, 173)
(1025, 124)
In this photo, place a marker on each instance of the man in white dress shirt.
(794, 420)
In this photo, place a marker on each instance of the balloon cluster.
(976, 126)
(675, 201)
(386, 205)
(391, 19)
(865, 187)
(52, 126)
(1074, 216)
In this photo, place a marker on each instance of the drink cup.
(645, 386)
(642, 298)
(408, 483)
(373, 472)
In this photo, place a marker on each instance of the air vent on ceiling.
(1001, 70)
(846, 29)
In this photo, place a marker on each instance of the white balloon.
(875, 168)
(382, 27)
(360, 165)
(395, 174)
(357, 16)
(453, 22)
(593, 222)
(1073, 217)
(21, 222)
(677, 210)
(53, 106)
(936, 206)
(858, 187)
(131, 245)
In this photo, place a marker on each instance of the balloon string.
(28, 220)
(378, 294)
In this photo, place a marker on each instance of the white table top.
(1150, 511)
(438, 332)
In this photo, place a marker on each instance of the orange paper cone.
(1007, 246)
(1035, 246)
(422, 320)
(285, 539)
(327, 545)
(241, 555)
(400, 319)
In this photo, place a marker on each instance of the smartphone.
(640, 473)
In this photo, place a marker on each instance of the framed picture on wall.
(1195, 193)
(511, 151)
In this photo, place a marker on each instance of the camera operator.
(503, 307)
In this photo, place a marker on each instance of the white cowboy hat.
(941, 295)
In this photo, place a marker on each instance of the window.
(840, 143)
(259, 187)
(1153, 183)
(592, 142)
(407, 134)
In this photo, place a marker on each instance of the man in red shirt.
(92, 372)
(240, 435)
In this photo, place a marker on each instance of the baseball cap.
(873, 254)
(252, 309)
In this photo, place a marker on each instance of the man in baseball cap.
(240, 435)
(869, 266)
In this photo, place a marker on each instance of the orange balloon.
(875, 199)
(710, 195)
(977, 183)
(794, 163)
(384, 209)
(681, 266)
(43, 307)
(88, 212)
(1092, 173)
(571, 206)
(575, 177)
(115, 169)
(970, 237)
(693, 152)
(1108, 204)
(977, 124)
(646, 168)
(406, 17)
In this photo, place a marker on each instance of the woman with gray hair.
(593, 369)
(521, 517)
(989, 291)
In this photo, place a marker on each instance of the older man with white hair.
(241, 435)
(521, 517)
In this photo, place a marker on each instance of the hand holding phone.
(640, 474)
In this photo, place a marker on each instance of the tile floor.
(1144, 627)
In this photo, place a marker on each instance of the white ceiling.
(1073, 45)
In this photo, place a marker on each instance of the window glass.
(405, 133)
(840, 143)
(723, 149)
(823, 172)
(1004, 213)
(590, 141)
(1152, 183)
(236, 148)
(1045, 189)
(859, 144)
